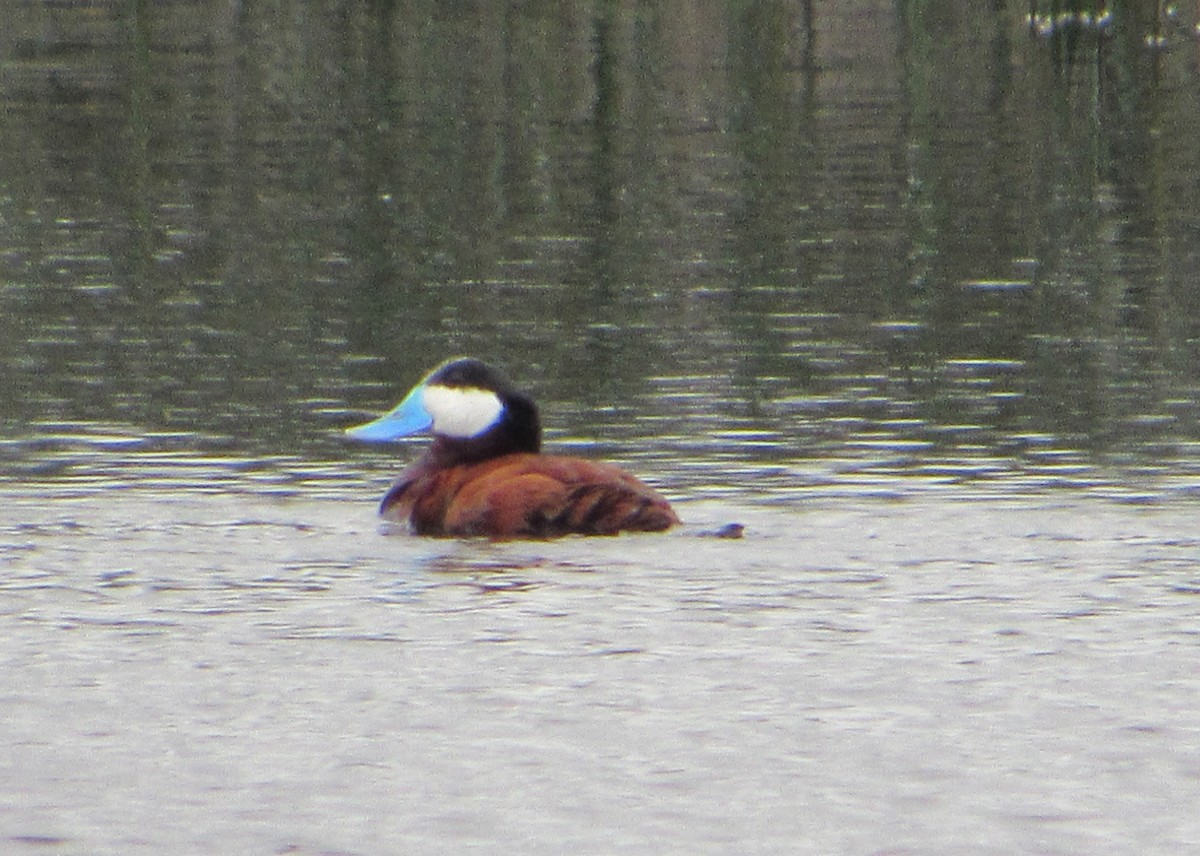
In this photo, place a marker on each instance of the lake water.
(907, 289)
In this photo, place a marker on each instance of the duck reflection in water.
(484, 473)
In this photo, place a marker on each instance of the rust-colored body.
(525, 495)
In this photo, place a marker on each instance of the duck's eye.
(461, 411)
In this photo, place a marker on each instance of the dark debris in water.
(729, 530)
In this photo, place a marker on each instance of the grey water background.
(909, 289)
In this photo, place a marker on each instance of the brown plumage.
(525, 495)
(484, 474)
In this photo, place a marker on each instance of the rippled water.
(910, 295)
(242, 672)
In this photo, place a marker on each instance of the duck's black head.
(472, 410)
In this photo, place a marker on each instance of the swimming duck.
(484, 473)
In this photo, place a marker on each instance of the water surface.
(908, 291)
(927, 675)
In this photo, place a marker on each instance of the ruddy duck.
(484, 474)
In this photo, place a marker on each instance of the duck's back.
(526, 495)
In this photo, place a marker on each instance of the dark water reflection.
(729, 241)
(778, 240)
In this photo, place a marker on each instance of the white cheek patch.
(461, 412)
